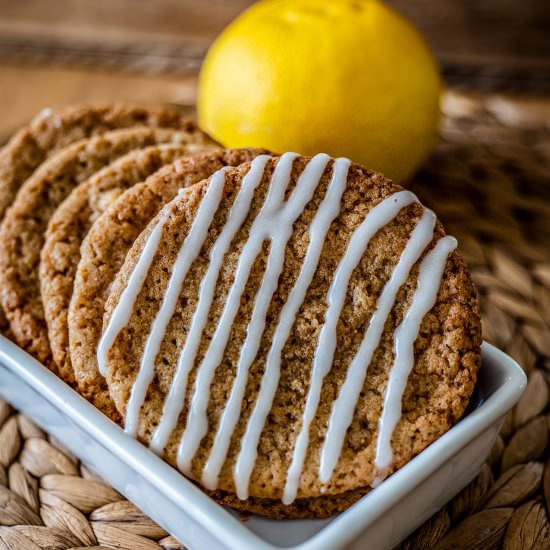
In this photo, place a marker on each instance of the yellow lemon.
(348, 77)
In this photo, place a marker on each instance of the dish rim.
(219, 522)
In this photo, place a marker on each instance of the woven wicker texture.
(489, 181)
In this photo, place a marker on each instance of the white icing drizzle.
(237, 215)
(328, 210)
(187, 254)
(429, 281)
(274, 222)
(123, 310)
(344, 406)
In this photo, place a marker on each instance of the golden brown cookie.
(52, 130)
(105, 247)
(22, 230)
(290, 332)
(70, 224)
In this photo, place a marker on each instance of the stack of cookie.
(287, 331)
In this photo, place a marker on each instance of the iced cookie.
(52, 130)
(290, 332)
(70, 224)
(105, 247)
(23, 228)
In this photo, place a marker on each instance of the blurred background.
(63, 51)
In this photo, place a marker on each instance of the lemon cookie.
(105, 247)
(290, 332)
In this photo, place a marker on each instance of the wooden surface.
(65, 51)
(491, 29)
(488, 44)
(24, 90)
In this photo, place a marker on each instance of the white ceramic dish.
(379, 520)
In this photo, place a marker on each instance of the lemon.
(347, 77)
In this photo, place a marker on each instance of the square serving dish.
(379, 520)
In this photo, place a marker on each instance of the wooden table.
(25, 89)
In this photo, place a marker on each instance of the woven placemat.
(489, 181)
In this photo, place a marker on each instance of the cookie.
(23, 228)
(290, 332)
(103, 252)
(70, 223)
(52, 130)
